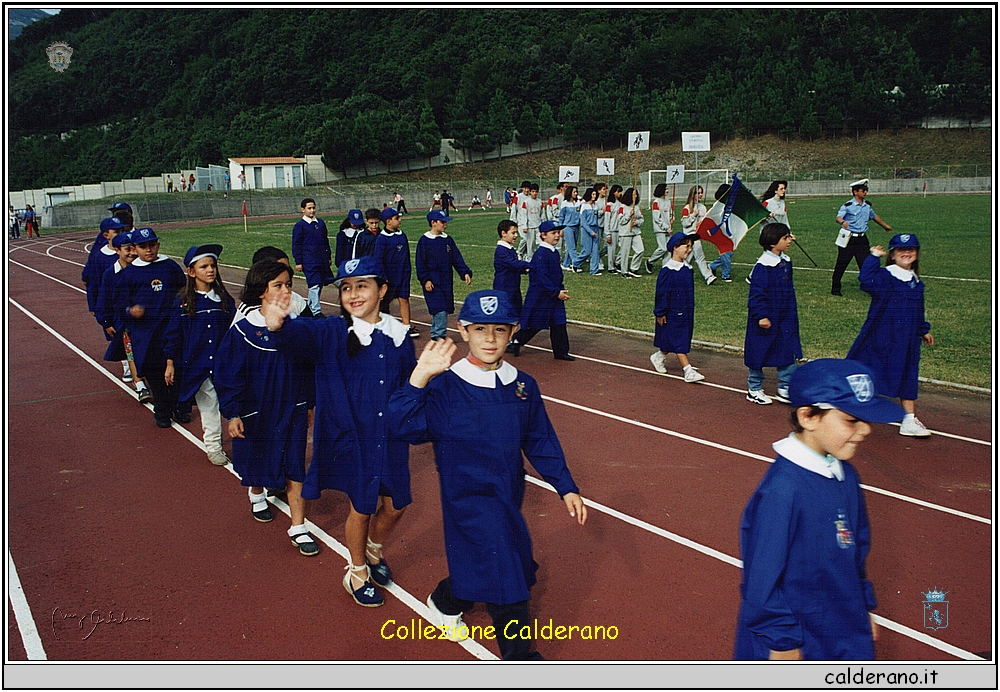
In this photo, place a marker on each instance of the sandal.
(366, 594)
(377, 567)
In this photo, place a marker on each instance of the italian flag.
(735, 211)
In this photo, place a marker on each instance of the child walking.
(674, 309)
(772, 316)
(890, 339)
(611, 206)
(693, 213)
(264, 394)
(663, 221)
(630, 220)
(392, 250)
(360, 361)
(482, 414)
(311, 250)
(436, 255)
(591, 237)
(192, 340)
(507, 268)
(804, 535)
(112, 321)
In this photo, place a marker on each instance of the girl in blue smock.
(674, 309)
(481, 414)
(890, 339)
(360, 361)
(192, 340)
(264, 394)
(392, 249)
(772, 316)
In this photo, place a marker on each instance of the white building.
(266, 172)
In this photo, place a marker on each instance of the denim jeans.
(725, 260)
(570, 234)
(312, 299)
(755, 378)
(439, 325)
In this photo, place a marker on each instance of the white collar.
(118, 266)
(389, 235)
(108, 250)
(349, 231)
(547, 246)
(255, 318)
(428, 234)
(487, 379)
(211, 295)
(308, 220)
(897, 271)
(769, 259)
(388, 325)
(504, 243)
(800, 454)
(673, 264)
(143, 263)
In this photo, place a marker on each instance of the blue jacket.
(108, 317)
(311, 249)
(507, 270)
(393, 251)
(569, 215)
(772, 295)
(889, 341)
(156, 287)
(93, 272)
(192, 342)
(345, 245)
(364, 243)
(436, 255)
(675, 300)
(542, 307)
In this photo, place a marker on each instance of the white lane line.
(473, 647)
(689, 438)
(22, 613)
(924, 638)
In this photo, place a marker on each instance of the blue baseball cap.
(198, 251)
(143, 235)
(548, 226)
(356, 217)
(119, 206)
(122, 239)
(438, 215)
(388, 213)
(677, 238)
(111, 223)
(845, 385)
(361, 267)
(488, 307)
(904, 240)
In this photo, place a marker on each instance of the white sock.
(297, 529)
(908, 418)
(140, 385)
(688, 368)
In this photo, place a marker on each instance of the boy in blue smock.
(804, 535)
(145, 298)
(436, 255)
(347, 237)
(507, 268)
(544, 304)
(111, 321)
(481, 414)
(392, 250)
(674, 308)
(99, 261)
(772, 316)
(311, 250)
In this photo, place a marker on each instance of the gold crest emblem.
(59, 54)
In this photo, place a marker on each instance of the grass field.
(954, 231)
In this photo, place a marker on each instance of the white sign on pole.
(638, 141)
(569, 174)
(605, 166)
(695, 141)
(675, 175)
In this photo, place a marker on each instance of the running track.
(109, 514)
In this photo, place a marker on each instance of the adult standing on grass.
(852, 243)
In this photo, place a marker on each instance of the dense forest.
(152, 90)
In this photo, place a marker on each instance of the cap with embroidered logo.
(122, 239)
(119, 206)
(549, 226)
(903, 240)
(112, 223)
(143, 235)
(845, 385)
(677, 238)
(487, 307)
(356, 217)
(388, 213)
(362, 267)
(863, 183)
(438, 215)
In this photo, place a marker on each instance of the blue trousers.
(590, 248)
(572, 259)
(312, 299)
(725, 260)
(755, 378)
(439, 325)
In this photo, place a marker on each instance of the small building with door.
(266, 172)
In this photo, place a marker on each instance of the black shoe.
(513, 348)
(263, 515)
(276, 492)
(566, 357)
(163, 422)
(380, 573)
(305, 543)
(182, 417)
(836, 292)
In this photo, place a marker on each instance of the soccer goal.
(708, 178)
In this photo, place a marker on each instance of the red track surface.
(108, 513)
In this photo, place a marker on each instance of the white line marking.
(925, 638)
(473, 647)
(22, 613)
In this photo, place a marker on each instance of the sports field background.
(956, 244)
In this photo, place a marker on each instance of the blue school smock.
(479, 433)
(804, 539)
(772, 295)
(675, 300)
(542, 307)
(364, 243)
(507, 270)
(264, 388)
(889, 341)
(354, 449)
(311, 249)
(345, 245)
(393, 250)
(107, 316)
(155, 286)
(93, 272)
(193, 342)
(436, 255)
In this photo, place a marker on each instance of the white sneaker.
(913, 428)
(758, 397)
(455, 629)
(659, 361)
(711, 280)
(691, 374)
(782, 396)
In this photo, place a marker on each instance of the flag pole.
(805, 253)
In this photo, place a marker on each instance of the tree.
(500, 126)
(546, 122)
(527, 127)
(574, 114)
(428, 141)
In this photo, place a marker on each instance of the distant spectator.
(243, 180)
(191, 182)
(397, 199)
(170, 184)
(31, 221)
(183, 183)
(14, 223)
(489, 199)
(226, 175)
